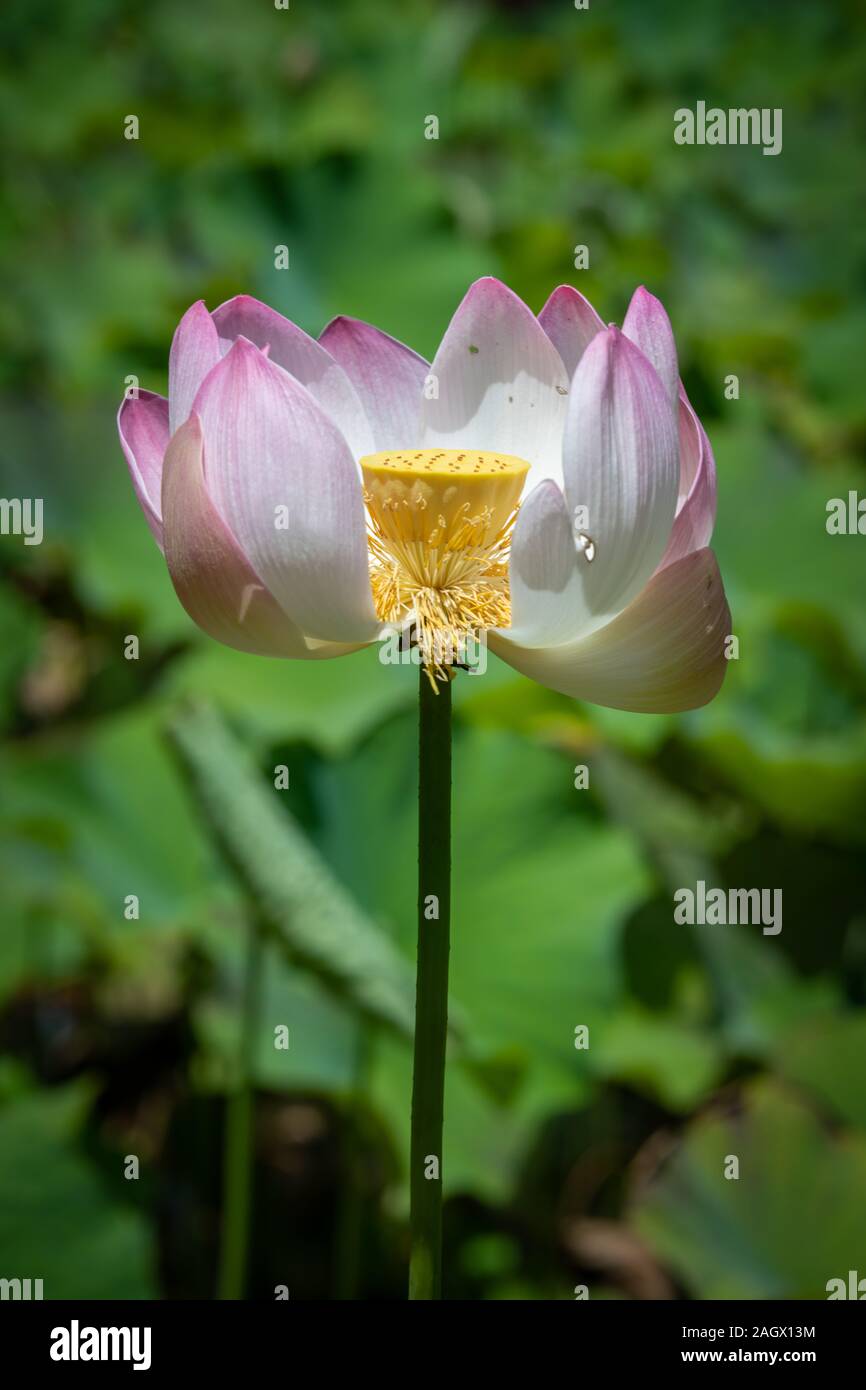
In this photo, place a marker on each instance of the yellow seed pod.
(449, 499)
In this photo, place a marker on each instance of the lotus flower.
(544, 481)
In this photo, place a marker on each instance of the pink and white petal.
(663, 654)
(142, 424)
(544, 577)
(696, 513)
(621, 465)
(570, 323)
(213, 580)
(303, 358)
(388, 376)
(691, 447)
(647, 325)
(195, 348)
(281, 475)
(501, 383)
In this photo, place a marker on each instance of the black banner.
(80, 1339)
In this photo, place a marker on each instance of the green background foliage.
(604, 1166)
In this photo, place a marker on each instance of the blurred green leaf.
(324, 1036)
(744, 1237)
(827, 1058)
(676, 1064)
(333, 702)
(540, 890)
(102, 811)
(310, 914)
(59, 1222)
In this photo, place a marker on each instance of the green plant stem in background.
(431, 994)
(350, 1214)
(238, 1142)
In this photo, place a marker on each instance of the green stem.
(238, 1142)
(431, 997)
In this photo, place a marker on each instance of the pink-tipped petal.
(649, 328)
(663, 654)
(621, 465)
(388, 376)
(544, 576)
(142, 423)
(696, 511)
(570, 323)
(195, 348)
(281, 475)
(303, 358)
(691, 447)
(215, 583)
(501, 383)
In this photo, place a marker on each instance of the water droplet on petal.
(586, 545)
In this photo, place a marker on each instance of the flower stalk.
(238, 1142)
(431, 998)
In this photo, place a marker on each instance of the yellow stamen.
(441, 522)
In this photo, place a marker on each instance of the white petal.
(214, 581)
(305, 359)
(621, 471)
(664, 653)
(273, 455)
(696, 511)
(544, 572)
(570, 323)
(195, 348)
(647, 325)
(501, 383)
(142, 423)
(388, 377)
